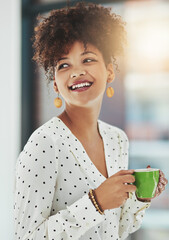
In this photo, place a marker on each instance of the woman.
(71, 177)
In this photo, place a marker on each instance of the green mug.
(146, 181)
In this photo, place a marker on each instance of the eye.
(89, 60)
(62, 66)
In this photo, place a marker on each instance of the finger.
(124, 172)
(166, 181)
(130, 188)
(161, 187)
(163, 180)
(157, 193)
(128, 179)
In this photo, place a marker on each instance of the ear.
(55, 86)
(110, 71)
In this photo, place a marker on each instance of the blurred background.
(140, 105)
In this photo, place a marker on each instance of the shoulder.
(50, 130)
(113, 131)
(40, 149)
(45, 136)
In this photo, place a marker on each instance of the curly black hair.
(84, 22)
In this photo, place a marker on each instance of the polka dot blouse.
(53, 176)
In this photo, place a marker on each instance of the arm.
(35, 181)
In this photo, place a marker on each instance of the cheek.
(96, 70)
(99, 73)
(61, 79)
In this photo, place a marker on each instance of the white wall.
(9, 109)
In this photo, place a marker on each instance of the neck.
(82, 121)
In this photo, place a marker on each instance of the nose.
(77, 73)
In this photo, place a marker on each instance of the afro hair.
(87, 23)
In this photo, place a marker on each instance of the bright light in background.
(147, 70)
(147, 75)
(148, 36)
(145, 82)
(152, 41)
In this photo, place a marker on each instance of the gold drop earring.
(58, 100)
(110, 92)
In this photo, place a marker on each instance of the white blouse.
(53, 176)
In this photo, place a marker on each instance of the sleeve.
(131, 216)
(35, 181)
(133, 211)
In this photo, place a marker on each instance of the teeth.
(81, 85)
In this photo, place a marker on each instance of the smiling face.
(82, 65)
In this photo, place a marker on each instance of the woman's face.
(82, 65)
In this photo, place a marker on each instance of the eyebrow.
(82, 54)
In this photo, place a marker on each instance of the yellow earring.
(58, 102)
(110, 92)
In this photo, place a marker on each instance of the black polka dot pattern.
(53, 176)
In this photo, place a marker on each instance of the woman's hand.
(160, 187)
(114, 191)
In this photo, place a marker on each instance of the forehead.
(79, 49)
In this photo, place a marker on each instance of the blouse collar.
(81, 155)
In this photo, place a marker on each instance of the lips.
(78, 82)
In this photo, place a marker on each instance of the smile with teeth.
(81, 85)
